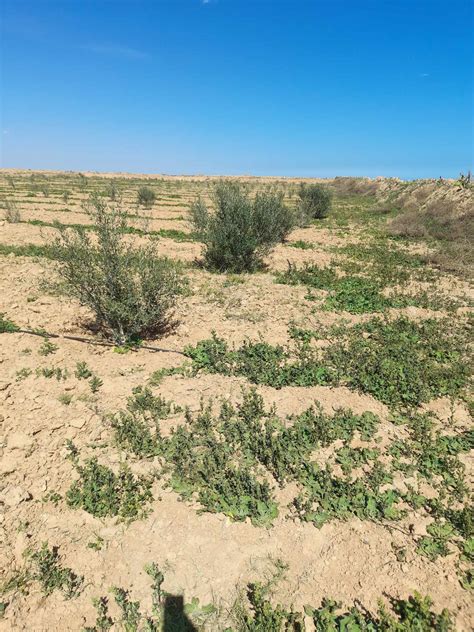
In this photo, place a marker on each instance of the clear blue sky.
(282, 87)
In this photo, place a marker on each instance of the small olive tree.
(12, 214)
(146, 197)
(240, 230)
(314, 203)
(129, 288)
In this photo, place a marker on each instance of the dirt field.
(351, 557)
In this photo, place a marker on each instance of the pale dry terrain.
(202, 554)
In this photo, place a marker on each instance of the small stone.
(8, 464)
(14, 496)
(78, 423)
(19, 441)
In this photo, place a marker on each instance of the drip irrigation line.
(99, 343)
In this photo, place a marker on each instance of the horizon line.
(213, 175)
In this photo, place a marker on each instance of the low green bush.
(146, 197)
(314, 202)
(241, 230)
(12, 214)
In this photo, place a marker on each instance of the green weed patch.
(101, 492)
(361, 294)
(399, 362)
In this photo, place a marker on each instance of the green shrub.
(113, 191)
(146, 197)
(12, 214)
(241, 230)
(130, 289)
(315, 201)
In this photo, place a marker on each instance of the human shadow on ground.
(174, 617)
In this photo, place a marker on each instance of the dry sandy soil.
(203, 555)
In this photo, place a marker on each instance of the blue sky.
(277, 87)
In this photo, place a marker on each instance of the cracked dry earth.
(202, 555)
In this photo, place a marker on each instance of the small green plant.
(7, 326)
(146, 197)
(301, 244)
(47, 348)
(137, 428)
(173, 233)
(465, 180)
(262, 616)
(131, 291)
(53, 576)
(95, 383)
(101, 492)
(26, 250)
(356, 295)
(50, 372)
(82, 371)
(22, 374)
(103, 621)
(65, 399)
(97, 544)
(435, 544)
(52, 497)
(310, 275)
(241, 230)
(130, 610)
(314, 201)
(363, 294)
(326, 496)
(159, 375)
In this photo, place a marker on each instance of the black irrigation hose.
(93, 342)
